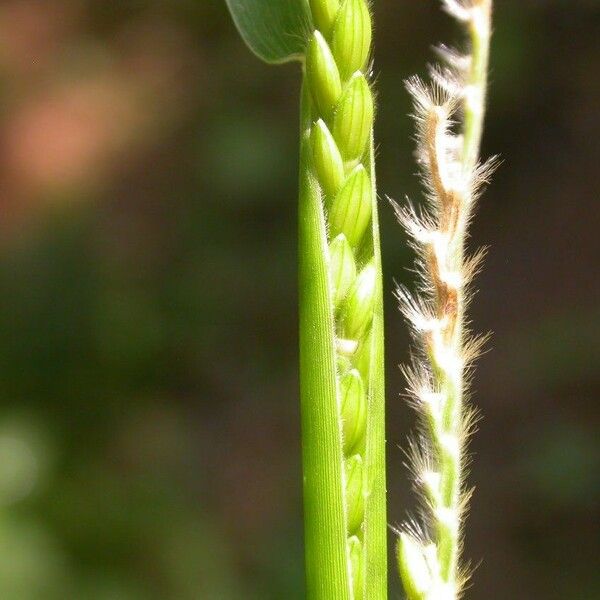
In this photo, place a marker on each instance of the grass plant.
(340, 294)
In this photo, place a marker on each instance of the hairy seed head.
(447, 152)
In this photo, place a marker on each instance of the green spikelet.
(327, 159)
(354, 409)
(353, 120)
(351, 40)
(343, 268)
(322, 74)
(324, 13)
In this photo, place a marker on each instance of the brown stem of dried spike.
(451, 214)
(439, 286)
(434, 120)
(446, 295)
(449, 199)
(451, 205)
(451, 311)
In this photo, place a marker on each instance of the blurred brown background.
(149, 434)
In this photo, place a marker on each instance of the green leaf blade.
(327, 576)
(275, 30)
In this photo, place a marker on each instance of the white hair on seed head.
(448, 113)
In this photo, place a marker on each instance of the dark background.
(149, 430)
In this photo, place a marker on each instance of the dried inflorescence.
(429, 555)
(340, 131)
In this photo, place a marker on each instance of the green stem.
(474, 104)
(474, 114)
(375, 512)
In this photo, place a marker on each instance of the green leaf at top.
(275, 30)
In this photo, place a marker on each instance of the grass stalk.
(429, 553)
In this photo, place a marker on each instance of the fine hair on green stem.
(429, 551)
(340, 288)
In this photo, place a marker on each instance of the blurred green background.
(149, 431)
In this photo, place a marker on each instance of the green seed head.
(351, 41)
(343, 268)
(354, 492)
(353, 120)
(355, 551)
(327, 159)
(351, 209)
(323, 75)
(354, 409)
(358, 309)
(414, 571)
(324, 13)
(342, 121)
